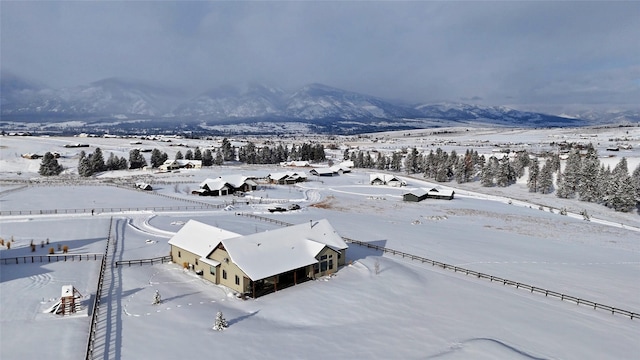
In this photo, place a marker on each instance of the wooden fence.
(96, 301)
(49, 258)
(479, 275)
(161, 260)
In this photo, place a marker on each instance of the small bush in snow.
(33, 248)
(8, 245)
(65, 249)
(52, 251)
(220, 323)
(185, 265)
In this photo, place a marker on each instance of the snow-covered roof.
(235, 180)
(418, 192)
(214, 184)
(324, 171)
(384, 177)
(346, 164)
(441, 192)
(273, 252)
(199, 238)
(291, 174)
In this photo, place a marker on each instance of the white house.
(386, 179)
(259, 263)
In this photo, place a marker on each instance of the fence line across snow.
(479, 275)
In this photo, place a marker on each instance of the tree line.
(583, 177)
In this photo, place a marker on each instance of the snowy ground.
(407, 310)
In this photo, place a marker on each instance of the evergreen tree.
(411, 161)
(136, 159)
(345, 155)
(97, 161)
(207, 158)
(486, 175)
(534, 172)
(84, 167)
(396, 161)
(228, 153)
(197, 154)
(381, 162)
(588, 189)
(112, 162)
(49, 165)
(220, 323)
(572, 171)
(635, 180)
(188, 155)
(219, 159)
(622, 189)
(545, 179)
(179, 156)
(158, 158)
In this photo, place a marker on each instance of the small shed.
(415, 195)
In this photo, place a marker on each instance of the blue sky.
(531, 55)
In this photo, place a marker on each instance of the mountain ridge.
(119, 98)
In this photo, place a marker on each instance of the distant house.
(144, 186)
(440, 194)
(259, 263)
(323, 172)
(225, 186)
(181, 164)
(296, 163)
(386, 179)
(415, 195)
(286, 178)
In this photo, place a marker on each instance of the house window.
(316, 268)
(237, 280)
(196, 261)
(179, 254)
(224, 274)
(212, 270)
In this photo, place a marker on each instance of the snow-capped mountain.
(109, 97)
(499, 115)
(232, 103)
(315, 104)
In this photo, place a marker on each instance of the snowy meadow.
(378, 306)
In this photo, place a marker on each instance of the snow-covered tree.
(545, 179)
(207, 158)
(49, 165)
(84, 167)
(179, 155)
(136, 159)
(588, 189)
(220, 323)
(97, 161)
(534, 172)
(156, 298)
(158, 158)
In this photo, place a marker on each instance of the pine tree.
(49, 165)
(220, 323)
(571, 173)
(486, 175)
(219, 159)
(188, 155)
(545, 179)
(97, 161)
(158, 158)
(207, 158)
(197, 154)
(84, 167)
(179, 155)
(635, 180)
(588, 189)
(136, 159)
(623, 191)
(534, 172)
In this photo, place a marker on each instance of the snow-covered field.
(407, 310)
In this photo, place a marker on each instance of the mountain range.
(117, 98)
